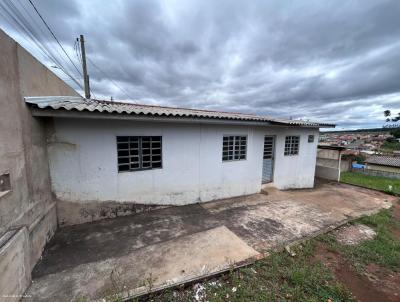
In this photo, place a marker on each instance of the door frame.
(273, 157)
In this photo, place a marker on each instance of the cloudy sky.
(336, 61)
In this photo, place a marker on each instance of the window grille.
(139, 153)
(292, 145)
(234, 148)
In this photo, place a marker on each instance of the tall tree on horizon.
(388, 114)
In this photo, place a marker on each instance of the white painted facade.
(83, 162)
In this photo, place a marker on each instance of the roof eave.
(138, 117)
(47, 112)
(70, 106)
(316, 125)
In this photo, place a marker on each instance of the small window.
(311, 138)
(234, 148)
(139, 153)
(292, 145)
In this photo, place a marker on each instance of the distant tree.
(390, 139)
(395, 133)
(388, 114)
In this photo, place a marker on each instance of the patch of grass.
(279, 277)
(383, 250)
(383, 220)
(372, 182)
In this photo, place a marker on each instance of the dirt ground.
(375, 283)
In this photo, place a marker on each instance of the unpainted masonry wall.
(23, 152)
(15, 265)
(327, 165)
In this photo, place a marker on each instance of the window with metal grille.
(139, 153)
(234, 148)
(292, 145)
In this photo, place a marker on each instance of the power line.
(23, 26)
(39, 27)
(78, 53)
(54, 36)
(112, 81)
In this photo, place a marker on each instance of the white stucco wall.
(83, 162)
(295, 172)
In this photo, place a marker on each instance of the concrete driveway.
(149, 251)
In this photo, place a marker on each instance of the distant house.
(383, 163)
(356, 145)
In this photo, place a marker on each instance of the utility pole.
(84, 68)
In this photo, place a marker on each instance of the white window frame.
(242, 152)
(292, 145)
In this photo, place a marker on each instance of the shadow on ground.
(178, 244)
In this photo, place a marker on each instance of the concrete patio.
(132, 254)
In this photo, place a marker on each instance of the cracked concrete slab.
(179, 244)
(89, 242)
(171, 262)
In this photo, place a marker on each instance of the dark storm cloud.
(325, 60)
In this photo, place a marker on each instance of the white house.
(106, 158)
(79, 160)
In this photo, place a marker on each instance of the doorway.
(268, 159)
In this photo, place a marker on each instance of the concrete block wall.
(15, 266)
(329, 173)
(327, 164)
(28, 203)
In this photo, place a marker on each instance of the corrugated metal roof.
(81, 104)
(384, 161)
